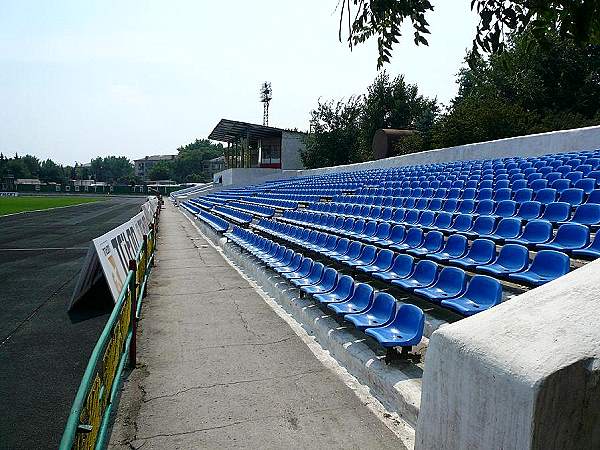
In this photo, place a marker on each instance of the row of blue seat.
(259, 210)
(378, 314)
(215, 222)
(575, 196)
(536, 233)
(555, 212)
(513, 263)
(234, 215)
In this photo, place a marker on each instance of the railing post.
(133, 293)
(146, 263)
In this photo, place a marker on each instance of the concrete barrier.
(523, 375)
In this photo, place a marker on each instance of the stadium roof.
(232, 130)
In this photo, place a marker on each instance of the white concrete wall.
(291, 146)
(243, 177)
(532, 145)
(523, 375)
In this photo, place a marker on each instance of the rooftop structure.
(252, 145)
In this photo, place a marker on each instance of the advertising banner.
(109, 254)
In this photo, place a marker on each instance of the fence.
(88, 423)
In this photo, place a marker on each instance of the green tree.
(51, 172)
(189, 163)
(162, 170)
(529, 88)
(578, 21)
(393, 103)
(334, 134)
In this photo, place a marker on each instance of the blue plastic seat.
(326, 283)
(594, 197)
(547, 265)
(546, 196)
(507, 228)
(414, 238)
(557, 212)
(366, 257)
(382, 262)
(560, 185)
(340, 248)
(402, 267)
(292, 266)
(466, 206)
(397, 235)
(302, 272)
(381, 234)
(523, 195)
(462, 222)
(316, 272)
(455, 247)
(353, 252)
(535, 232)
(359, 301)
(592, 251)
(572, 196)
(570, 236)
(369, 231)
(426, 219)
(357, 228)
(512, 258)
(529, 210)
(502, 194)
(451, 282)
(483, 225)
(443, 221)
(424, 274)
(586, 184)
(485, 207)
(587, 214)
(433, 242)
(482, 251)
(482, 293)
(341, 292)
(381, 312)
(405, 330)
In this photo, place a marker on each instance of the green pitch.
(11, 205)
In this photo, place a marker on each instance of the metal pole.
(132, 290)
(146, 260)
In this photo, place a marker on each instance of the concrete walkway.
(218, 368)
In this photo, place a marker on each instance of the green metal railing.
(88, 423)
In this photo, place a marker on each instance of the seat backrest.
(572, 234)
(451, 279)
(484, 224)
(367, 254)
(485, 194)
(502, 194)
(482, 250)
(414, 237)
(370, 228)
(344, 286)
(412, 216)
(506, 208)
(403, 264)
(305, 267)
(594, 197)
(508, 227)
(550, 263)
(397, 233)
(456, 245)
(358, 226)
(384, 259)
(485, 207)
(316, 272)
(410, 319)
(523, 195)
(561, 184)
(384, 306)
(588, 213)
(426, 218)
(462, 222)
(484, 290)
(425, 271)
(557, 212)
(362, 295)
(546, 195)
(466, 206)
(513, 256)
(354, 249)
(573, 196)
(434, 240)
(537, 231)
(329, 278)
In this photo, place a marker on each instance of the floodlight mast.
(266, 94)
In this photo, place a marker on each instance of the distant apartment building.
(212, 166)
(143, 166)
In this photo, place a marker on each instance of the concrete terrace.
(220, 368)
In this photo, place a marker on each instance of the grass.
(11, 205)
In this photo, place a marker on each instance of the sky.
(79, 79)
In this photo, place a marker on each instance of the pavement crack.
(245, 323)
(231, 383)
(246, 344)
